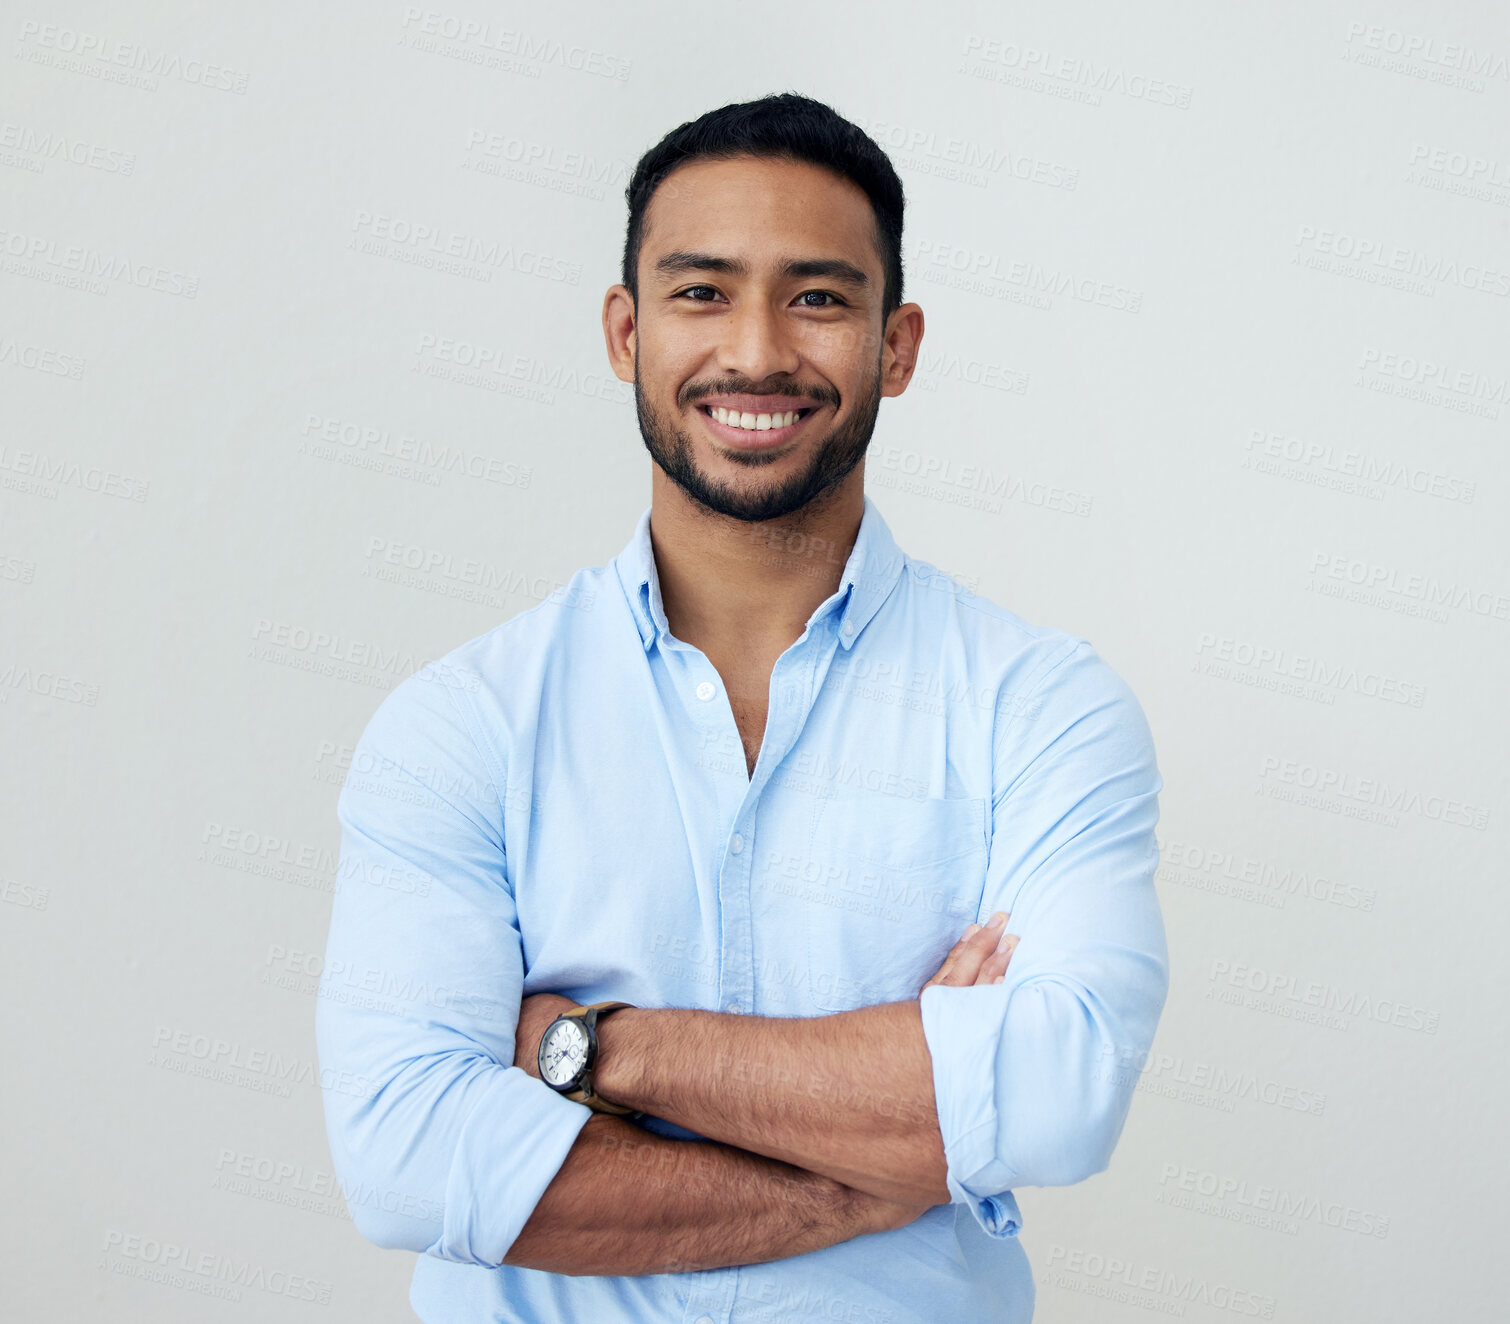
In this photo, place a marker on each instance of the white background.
(1214, 376)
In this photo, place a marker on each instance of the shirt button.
(847, 629)
(736, 844)
(734, 1008)
(706, 690)
(705, 1319)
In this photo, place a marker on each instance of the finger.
(977, 949)
(951, 961)
(993, 969)
(961, 967)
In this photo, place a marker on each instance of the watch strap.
(584, 1093)
(590, 1014)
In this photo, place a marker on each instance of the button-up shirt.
(563, 805)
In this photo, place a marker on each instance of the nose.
(756, 342)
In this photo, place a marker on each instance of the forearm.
(626, 1201)
(849, 1096)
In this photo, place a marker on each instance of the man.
(774, 785)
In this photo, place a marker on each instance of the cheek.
(847, 349)
(847, 358)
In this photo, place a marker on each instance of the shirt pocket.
(893, 884)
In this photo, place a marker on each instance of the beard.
(832, 460)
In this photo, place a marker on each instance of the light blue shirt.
(562, 805)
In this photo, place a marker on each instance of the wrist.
(617, 1073)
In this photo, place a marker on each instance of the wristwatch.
(569, 1051)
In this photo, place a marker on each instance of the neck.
(729, 584)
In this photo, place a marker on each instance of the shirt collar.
(874, 564)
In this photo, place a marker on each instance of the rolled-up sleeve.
(1030, 1076)
(440, 1144)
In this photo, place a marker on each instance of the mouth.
(749, 430)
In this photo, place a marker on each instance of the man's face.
(758, 335)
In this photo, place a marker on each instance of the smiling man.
(669, 976)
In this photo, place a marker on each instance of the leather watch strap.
(585, 1093)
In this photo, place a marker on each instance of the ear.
(619, 332)
(899, 349)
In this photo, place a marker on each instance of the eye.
(803, 298)
(699, 293)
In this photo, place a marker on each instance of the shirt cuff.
(998, 1215)
(964, 1089)
(511, 1146)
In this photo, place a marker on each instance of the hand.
(980, 957)
(535, 1013)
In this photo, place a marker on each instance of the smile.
(752, 431)
(755, 422)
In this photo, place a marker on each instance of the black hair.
(788, 126)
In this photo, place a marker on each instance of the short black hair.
(786, 125)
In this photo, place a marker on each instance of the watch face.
(563, 1052)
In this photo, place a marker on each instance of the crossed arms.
(827, 1127)
(818, 1129)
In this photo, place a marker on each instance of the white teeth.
(754, 422)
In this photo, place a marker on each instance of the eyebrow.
(823, 268)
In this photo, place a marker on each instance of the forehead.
(760, 207)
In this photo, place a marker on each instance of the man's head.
(762, 279)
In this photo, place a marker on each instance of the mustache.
(696, 391)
